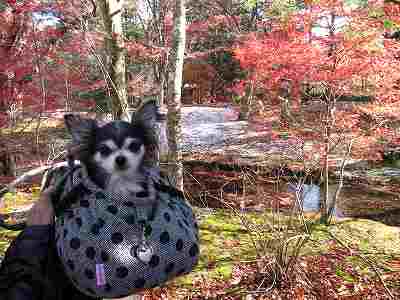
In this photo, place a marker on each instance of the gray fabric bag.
(112, 247)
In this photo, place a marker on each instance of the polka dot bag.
(112, 247)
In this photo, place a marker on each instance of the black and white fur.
(113, 155)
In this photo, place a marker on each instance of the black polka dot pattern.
(122, 272)
(75, 243)
(95, 229)
(117, 238)
(78, 221)
(89, 274)
(69, 214)
(128, 203)
(169, 268)
(100, 195)
(112, 209)
(179, 245)
(85, 203)
(164, 237)
(139, 283)
(90, 252)
(101, 222)
(154, 261)
(104, 256)
(142, 194)
(113, 247)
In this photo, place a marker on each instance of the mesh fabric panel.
(112, 247)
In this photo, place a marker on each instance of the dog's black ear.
(146, 115)
(80, 129)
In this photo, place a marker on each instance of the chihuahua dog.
(113, 155)
(119, 226)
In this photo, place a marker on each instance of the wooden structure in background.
(198, 78)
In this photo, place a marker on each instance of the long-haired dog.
(114, 155)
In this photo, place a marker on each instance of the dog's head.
(116, 150)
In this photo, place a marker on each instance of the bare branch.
(28, 175)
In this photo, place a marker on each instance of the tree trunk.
(157, 35)
(175, 91)
(8, 165)
(111, 15)
(284, 97)
(246, 102)
(244, 109)
(325, 197)
(162, 153)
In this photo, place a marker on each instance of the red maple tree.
(40, 66)
(347, 53)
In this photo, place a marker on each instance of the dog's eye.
(135, 147)
(104, 150)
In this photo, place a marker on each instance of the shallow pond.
(358, 200)
(224, 189)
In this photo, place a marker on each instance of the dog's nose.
(120, 161)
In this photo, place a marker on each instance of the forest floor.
(248, 232)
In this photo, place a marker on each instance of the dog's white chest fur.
(123, 186)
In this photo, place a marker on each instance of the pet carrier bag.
(112, 247)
